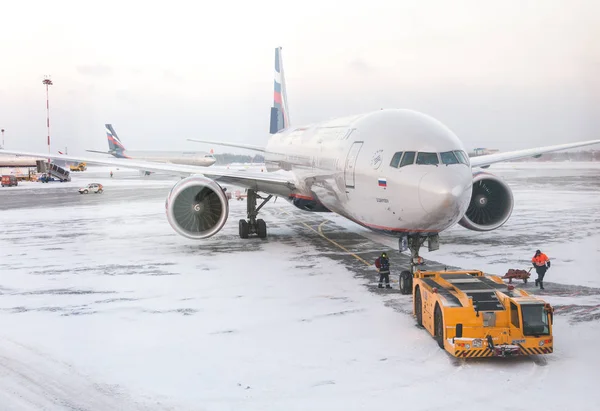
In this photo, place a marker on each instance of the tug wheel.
(418, 306)
(439, 326)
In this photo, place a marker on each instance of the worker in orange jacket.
(541, 262)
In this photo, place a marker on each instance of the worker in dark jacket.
(383, 264)
(541, 262)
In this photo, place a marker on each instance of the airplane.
(394, 171)
(117, 149)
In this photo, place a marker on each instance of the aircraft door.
(351, 163)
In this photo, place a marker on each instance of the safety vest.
(540, 260)
(385, 265)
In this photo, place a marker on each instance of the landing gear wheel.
(405, 282)
(254, 225)
(261, 228)
(244, 229)
(438, 326)
(418, 307)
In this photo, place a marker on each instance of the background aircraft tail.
(115, 146)
(280, 116)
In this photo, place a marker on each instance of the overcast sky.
(507, 74)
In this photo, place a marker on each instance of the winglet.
(280, 115)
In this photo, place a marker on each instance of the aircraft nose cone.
(445, 192)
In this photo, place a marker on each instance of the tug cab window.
(535, 320)
(462, 157)
(427, 159)
(514, 315)
(449, 158)
(408, 159)
(396, 159)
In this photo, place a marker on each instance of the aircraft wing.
(486, 160)
(219, 143)
(271, 183)
(100, 152)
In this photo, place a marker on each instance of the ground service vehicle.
(472, 315)
(9, 180)
(78, 167)
(92, 188)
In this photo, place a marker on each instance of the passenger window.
(396, 160)
(428, 159)
(449, 158)
(462, 157)
(514, 315)
(408, 159)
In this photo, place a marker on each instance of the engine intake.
(197, 207)
(491, 204)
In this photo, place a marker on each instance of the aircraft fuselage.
(344, 165)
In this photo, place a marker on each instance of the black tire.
(261, 228)
(405, 282)
(438, 322)
(85, 191)
(418, 307)
(244, 229)
(524, 280)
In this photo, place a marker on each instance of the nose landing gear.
(413, 243)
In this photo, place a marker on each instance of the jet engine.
(197, 207)
(491, 203)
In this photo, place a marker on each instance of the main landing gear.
(253, 225)
(413, 243)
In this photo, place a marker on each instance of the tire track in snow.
(33, 380)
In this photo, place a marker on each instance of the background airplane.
(117, 149)
(397, 172)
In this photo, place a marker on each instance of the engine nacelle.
(491, 203)
(197, 207)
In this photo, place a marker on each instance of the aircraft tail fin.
(114, 143)
(280, 115)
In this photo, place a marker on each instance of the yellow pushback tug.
(472, 315)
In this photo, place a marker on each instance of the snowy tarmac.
(104, 307)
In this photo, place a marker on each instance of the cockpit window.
(449, 158)
(462, 157)
(428, 158)
(408, 159)
(396, 160)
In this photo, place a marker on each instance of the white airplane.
(117, 149)
(397, 172)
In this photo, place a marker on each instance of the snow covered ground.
(104, 307)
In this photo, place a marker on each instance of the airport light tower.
(47, 82)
